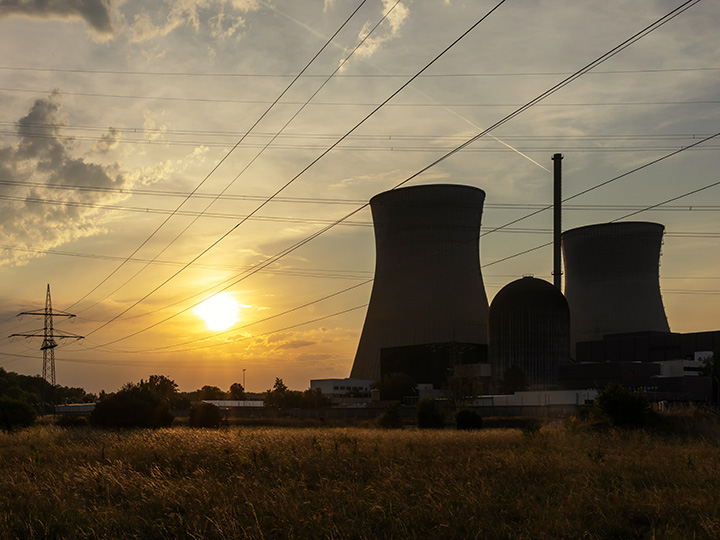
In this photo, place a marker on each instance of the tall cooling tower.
(428, 286)
(612, 279)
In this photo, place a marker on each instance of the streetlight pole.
(244, 389)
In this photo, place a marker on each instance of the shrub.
(390, 418)
(15, 413)
(205, 415)
(133, 406)
(621, 407)
(467, 419)
(429, 414)
(71, 421)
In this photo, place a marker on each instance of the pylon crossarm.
(42, 312)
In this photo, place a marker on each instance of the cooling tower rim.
(617, 228)
(404, 194)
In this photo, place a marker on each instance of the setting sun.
(219, 312)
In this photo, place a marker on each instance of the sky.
(155, 153)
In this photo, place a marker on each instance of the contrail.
(451, 111)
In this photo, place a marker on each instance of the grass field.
(269, 483)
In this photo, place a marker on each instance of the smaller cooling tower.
(529, 328)
(612, 279)
(428, 288)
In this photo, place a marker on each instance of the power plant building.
(612, 279)
(529, 329)
(428, 308)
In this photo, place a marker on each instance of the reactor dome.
(529, 329)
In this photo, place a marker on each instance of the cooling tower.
(428, 288)
(612, 279)
(529, 328)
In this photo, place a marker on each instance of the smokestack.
(557, 220)
(428, 286)
(612, 282)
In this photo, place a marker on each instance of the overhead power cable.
(245, 168)
(227, 155)
(612, 52)
(306, 168)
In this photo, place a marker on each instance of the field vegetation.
(563, 481)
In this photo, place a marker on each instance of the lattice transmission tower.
(48, 335)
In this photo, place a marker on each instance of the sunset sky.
(114, 113)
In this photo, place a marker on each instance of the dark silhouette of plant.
(205, 415)
(394, 386)
(621, 407)
(237, 392)
(15, 413)
(466, 419)
(429, 414)
(135, 405)
(390, 417)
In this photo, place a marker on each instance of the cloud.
(96, 13)
(108, 141)
(387, 31)
(35, 167)
(296, 344)
(200, 15)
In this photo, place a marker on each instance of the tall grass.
(267, 483)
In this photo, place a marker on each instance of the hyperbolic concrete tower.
(612, 279)
(428, 286)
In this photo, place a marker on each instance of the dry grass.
(269, 483)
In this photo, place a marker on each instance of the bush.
(429, 414)
(467, 419)
(621, 407)
(390, 418)
(15, 413)
(205, 415)
(133, 406)
(71, 421)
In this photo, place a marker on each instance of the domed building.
(529, 333)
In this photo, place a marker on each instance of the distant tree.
(711, 368)
(466, 419)
(134, 405)
(314, 399)
(211, 393)
(395, 386)
(429, 414)
(205, 415)
(281, 397)
(621, 407)
(513, 380)
(237, 392)
(15, 413)
(163, 387)
(460, 389)
(390, 418)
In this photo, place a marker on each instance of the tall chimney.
(557, 220)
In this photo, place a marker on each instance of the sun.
(219, 312)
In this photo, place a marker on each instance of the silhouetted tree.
(134, 405)
(314, 399)
(429, 414)
(390, 417)
(621, 407)
(281, 397)
(237, 392)
(460, 389)
(205, 415)
(15, 413)
(466, 419)
(210, 392)
(166, 389)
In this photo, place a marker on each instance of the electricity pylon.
(49, 336)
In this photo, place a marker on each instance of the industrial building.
(529, 328)
(428, 315)
(428, 294)
(612, 282)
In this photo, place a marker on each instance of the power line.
(354, 103)
(639, 35)
(227, 155)
(345, 75)
(289, 182)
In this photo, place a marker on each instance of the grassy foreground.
(356, 483)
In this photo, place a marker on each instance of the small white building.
(344, 391)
